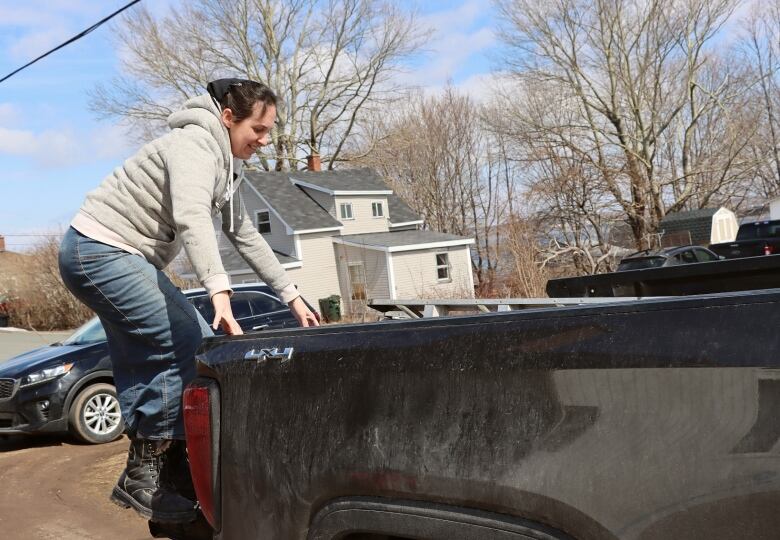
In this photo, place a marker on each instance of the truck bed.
(654, 419)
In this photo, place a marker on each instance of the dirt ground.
(56, 489)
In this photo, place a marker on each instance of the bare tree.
(527, 276)
(629, 89)
(330, 62)
(37, 298)
(441, 161)
(761, 48)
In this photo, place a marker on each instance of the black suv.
(70, 386)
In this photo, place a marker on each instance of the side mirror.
(721, 257)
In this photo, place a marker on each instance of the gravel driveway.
(52, 488)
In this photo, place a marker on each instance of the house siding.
(415, 274)
(278, 238)
(374, 265)
(317, 277)
(361, 211)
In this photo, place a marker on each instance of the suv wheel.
(94, 416)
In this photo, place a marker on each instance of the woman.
(129, 229)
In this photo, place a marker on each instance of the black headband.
(220, 87)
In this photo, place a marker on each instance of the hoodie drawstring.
(230, 192)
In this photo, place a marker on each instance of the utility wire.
(71, 40)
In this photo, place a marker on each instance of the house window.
(443, 266)
(357, 281)
(376, 209)
(345, 210)
(263, 221)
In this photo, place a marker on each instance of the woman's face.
(250, 133)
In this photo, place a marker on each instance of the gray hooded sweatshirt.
(164, 197)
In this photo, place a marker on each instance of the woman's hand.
(223, 314)
(302, 313)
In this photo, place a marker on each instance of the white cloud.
(39, 25)
(111, 142)
(37, 42)
(459, 17)
(8, 114)
(15, 141)
(459, 36)
(482, 86)
(455, 49)
(65, 147)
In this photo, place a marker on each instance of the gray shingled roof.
(301, 212)
(233, 261)
(400, 238)
(297, 209)
(343, 180)
(399, 211)
(686, 215)
(696, 222)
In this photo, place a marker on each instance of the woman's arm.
(192, 168)
(260, 257)
(223, 314)
(302, 312)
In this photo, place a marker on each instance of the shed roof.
(400, 211)
(698, 223)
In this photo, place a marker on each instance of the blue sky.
(53, 150)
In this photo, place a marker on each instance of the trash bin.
(330, 308)
(3, 320)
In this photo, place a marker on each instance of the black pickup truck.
(654, 419)
(753, 240)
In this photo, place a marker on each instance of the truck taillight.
(768, 250)
(200, 427)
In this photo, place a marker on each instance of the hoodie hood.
(204, 112)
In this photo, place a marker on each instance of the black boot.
(140, 486)
(177, 475)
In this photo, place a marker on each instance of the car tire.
(94, 415)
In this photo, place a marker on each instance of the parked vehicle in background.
(753, 240)
(255, 307)
(69, 386)
(670, 256)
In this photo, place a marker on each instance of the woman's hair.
(241, 97)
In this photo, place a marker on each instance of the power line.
(71, 40)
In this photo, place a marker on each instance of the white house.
(346, 233)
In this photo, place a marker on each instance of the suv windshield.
(89, 332)
(768, 229)
(641, 262)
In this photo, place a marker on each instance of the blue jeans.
(153, 331)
